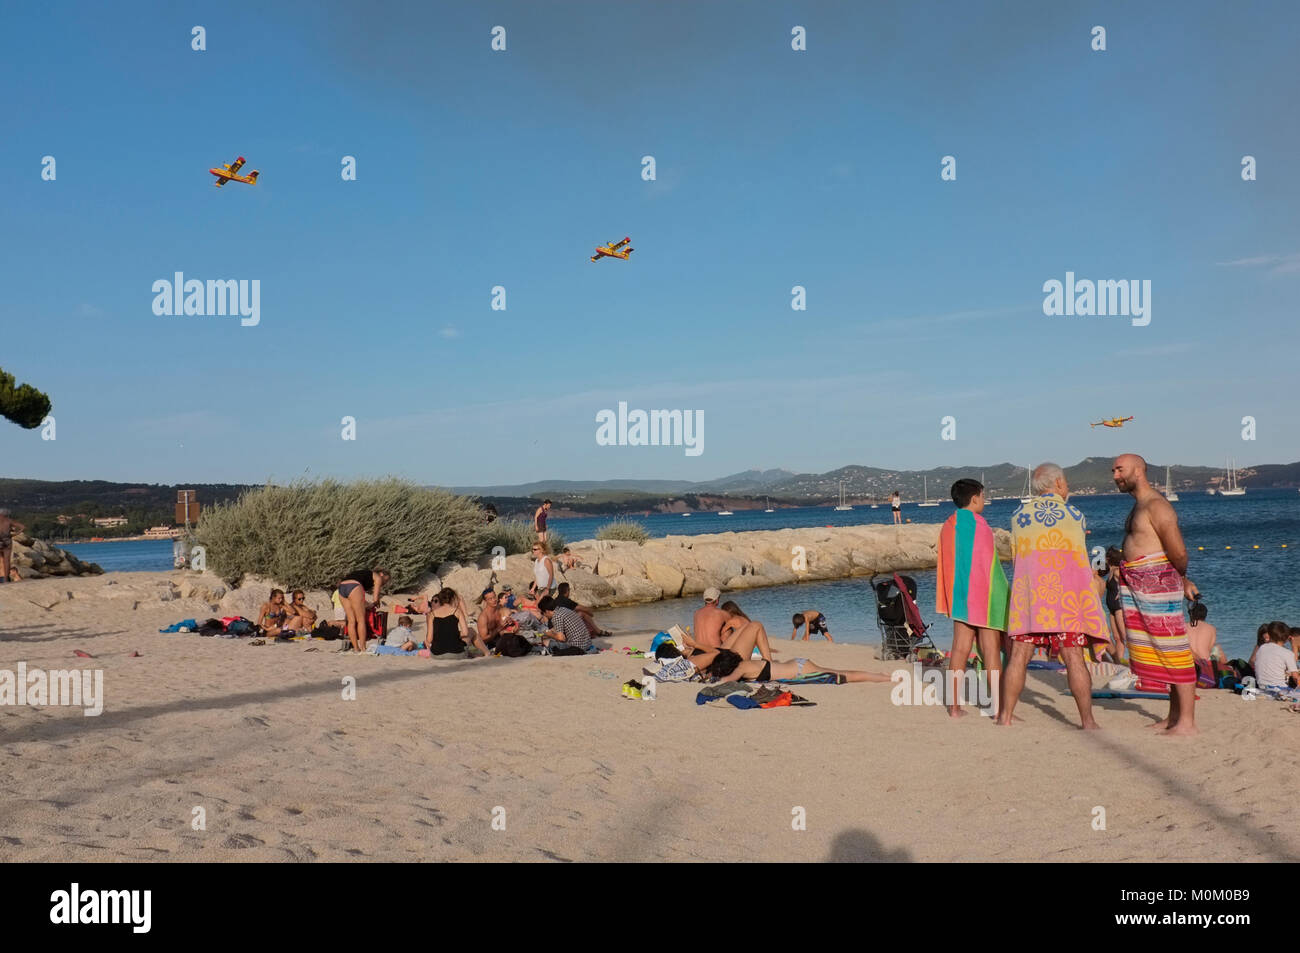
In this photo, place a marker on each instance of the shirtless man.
(489, 622)
(1202, 635)
(814, 623)
(1153, 573)
(8, 527)
(708, 621)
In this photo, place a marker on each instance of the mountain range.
(863, 483)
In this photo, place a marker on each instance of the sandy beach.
(418, 766)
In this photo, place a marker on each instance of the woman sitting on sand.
(726, 666)
(447, 631)
(353, 590)
(301, 618)
(273, 613)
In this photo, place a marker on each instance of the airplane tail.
(252, 177)
(630, 250)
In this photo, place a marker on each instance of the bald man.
(1153, 584)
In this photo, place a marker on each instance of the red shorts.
(1054, 641)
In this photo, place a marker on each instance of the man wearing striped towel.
(1153, 584)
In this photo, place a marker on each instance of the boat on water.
(1170, 493)
(726, 513)
(1231, 489)
(768, 501)
(925, 484)
(686, 514)
(843, 506)
(1028, 497)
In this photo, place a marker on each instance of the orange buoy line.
(1202, 548)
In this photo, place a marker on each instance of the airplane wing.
(616, 247)
(220, 182)
(239, 164)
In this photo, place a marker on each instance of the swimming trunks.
(817, 626)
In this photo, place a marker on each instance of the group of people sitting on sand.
(547, 617)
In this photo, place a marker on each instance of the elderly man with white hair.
(1054, 602)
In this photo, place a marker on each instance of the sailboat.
(1027, 498)
(926, 489)
(769, 509)
(1231, 489)
(843, 506)
(1170, 494)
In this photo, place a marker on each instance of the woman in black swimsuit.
(352, 593)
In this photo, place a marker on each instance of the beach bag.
(512, 645)
(240, 627)
(324, 630)
(377, 622)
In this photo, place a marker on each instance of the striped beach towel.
(1151, 590)
(972, 587)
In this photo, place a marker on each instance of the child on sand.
(972, 590)
(400, 637)
(814, 622)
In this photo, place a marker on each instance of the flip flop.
(80, 654)
(135, 655)
(257, 642)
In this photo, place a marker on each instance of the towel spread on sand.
(1151, 590)
(972, 587)
(1052, 590)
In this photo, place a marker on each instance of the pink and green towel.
(972, 587)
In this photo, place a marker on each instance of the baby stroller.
(902, 631)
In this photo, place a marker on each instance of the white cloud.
(449, 332)
(1276, 264)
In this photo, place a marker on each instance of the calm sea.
(1242, 585)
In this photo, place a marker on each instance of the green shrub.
(627, 530)
(309, 534)
(518, 536)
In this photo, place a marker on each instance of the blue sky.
(775, 168)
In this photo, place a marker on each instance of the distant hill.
(39, 502)
(861, 483)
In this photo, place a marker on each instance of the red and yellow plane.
(1112, 422)
(228, 173)
(612, 250)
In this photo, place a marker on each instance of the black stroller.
(902, 631)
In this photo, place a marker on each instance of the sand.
(430, 754)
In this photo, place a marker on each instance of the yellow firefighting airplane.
(1112, 422)
(612, 250)
(228, 173)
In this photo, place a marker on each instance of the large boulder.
(205, 586)
(631, 590)
(666, 577)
